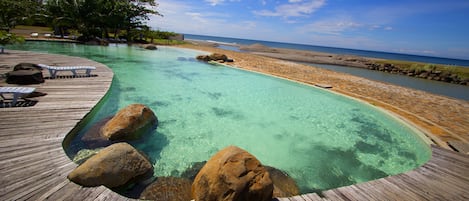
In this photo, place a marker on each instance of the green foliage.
(14, 12)
(429, 67)
(98, 18)
(167, 42)
(8, 38)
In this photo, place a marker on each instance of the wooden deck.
(33, 165)
(444, 177)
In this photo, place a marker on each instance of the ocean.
(332, 50)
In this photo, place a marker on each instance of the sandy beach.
(441, 118)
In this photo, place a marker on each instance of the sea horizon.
(333, 50)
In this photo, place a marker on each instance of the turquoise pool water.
(321, 139)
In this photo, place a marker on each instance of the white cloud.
(330, 26)
(218, 2)
(182, 17)
(416, 51)
(214, 2)
(294, 8)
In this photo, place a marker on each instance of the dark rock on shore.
(221, 58)
(419, 73)
(150, 47)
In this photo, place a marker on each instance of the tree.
(8, 38)
(97, 18)
(13, 12)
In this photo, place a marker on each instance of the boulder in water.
(233, 174)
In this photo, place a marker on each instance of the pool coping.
(34, 166)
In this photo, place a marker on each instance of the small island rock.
(214, 57)
(151, 47)
(233, 174)
(112, 167)
(130, 123)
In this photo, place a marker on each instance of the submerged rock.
(112, 167)
(130, 123)
(84, 155)
(93, 138)
(284, 185)
(233, 174)
(168, 188)
(191, 172)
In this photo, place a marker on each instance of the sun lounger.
(54, 69)
(17, 92)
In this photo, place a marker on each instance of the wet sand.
(440, 118)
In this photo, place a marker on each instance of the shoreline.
(438, 72)
(442, 119)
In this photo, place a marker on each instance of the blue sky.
(422, 27)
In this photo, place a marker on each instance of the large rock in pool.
(232, 174)
(168, 188)
(130, 123)
(113, 166)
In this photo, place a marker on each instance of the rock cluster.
(221, 58)
(119, 163)
(420, 73)
(232, 174)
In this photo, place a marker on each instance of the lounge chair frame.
(54, 69)
(17, 92)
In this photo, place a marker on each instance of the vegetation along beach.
(79, 123)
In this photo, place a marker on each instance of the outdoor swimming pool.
(321, 139)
